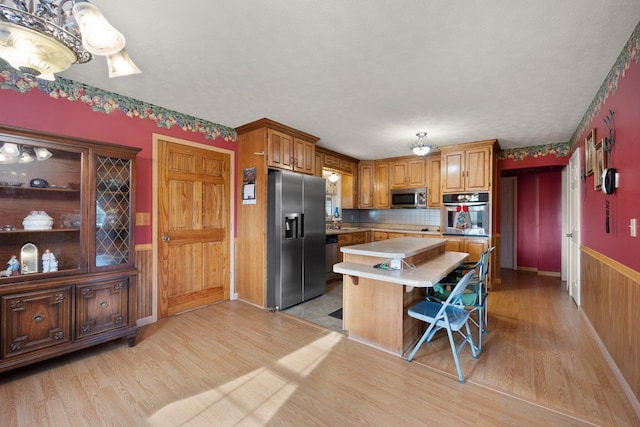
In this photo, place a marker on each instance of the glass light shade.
(421, 150)
(98, 36)
(25, 157)
(42, 153)
(334, 177)
(10, 149)
(33, 53)
(120, 64)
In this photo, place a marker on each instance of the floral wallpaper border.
(559, 149)
(106, 102)
(630, 53)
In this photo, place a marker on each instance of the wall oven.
(465, 214)
(409, 198)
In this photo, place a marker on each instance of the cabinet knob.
(166, 238)
(38, 318)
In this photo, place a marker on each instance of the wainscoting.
(144, 263)
(610, 294)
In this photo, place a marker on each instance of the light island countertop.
(401, 247)
(375, 300)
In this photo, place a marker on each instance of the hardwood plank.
(232, 363)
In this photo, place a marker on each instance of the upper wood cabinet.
(434, 196)
(286, 148)
(279, 150)
(467, 167)
(407, 173)
(381, 185)
(366, 170)
(304, 157)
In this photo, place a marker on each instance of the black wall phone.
(609, 181)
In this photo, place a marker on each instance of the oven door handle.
(467, 204)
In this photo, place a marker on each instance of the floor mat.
(337, 314)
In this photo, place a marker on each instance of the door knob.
(166, 238)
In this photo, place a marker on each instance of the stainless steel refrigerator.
(295, 238)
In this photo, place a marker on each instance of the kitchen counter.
(375, 301)
(330, 231)
(401, 247)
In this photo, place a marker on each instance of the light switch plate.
(633, 227)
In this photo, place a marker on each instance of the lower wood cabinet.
(45, 319)
(34, 321)
(348, 239)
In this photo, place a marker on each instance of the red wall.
(38, 111)
(539, 216)
(625, 203)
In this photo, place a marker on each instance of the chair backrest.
(459, 288)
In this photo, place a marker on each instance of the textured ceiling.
(366, 75)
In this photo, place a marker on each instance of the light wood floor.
(234, 364)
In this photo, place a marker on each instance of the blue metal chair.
(446, 315)
(475, 296)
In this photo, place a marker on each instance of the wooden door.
(193, 227)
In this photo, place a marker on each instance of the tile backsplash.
(414, 217)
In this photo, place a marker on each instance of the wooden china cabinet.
(66, 214)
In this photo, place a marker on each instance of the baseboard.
(144, 321)
(549, 273)
(633, 400)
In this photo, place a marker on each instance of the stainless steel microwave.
(412, 198)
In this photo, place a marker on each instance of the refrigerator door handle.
(301, 226)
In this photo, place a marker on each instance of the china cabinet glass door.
(41, 210)
(113, 211)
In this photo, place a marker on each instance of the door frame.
(574, 186)
(509, 230)
(154, 223)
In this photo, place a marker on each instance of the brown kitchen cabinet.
(434, 191)
(381, 185)
(474, 246)
(84, 194)
(285, 147)
(348, 239)
(467, 167)
(407, 173)
(304, 157)
(366, 179)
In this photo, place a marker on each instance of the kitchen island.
(376, 300)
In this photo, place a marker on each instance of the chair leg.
(424, 337)
(480, 327)
(454, 350)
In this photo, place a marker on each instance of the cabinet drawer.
(102, 307)
(345, 239)
(35, 320)
(359, 238)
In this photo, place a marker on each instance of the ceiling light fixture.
(334, 177)
(44, 37)
(14, 153)
(420, 148)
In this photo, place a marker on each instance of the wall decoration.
(560, 149)
(589, 142)
(630, 54)
(599, 164)
(107, 102)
